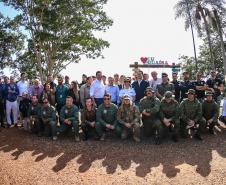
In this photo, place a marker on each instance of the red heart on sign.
(144, 60)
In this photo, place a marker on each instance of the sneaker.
(137, 139)
(158, 141)
(16, 125)
(211, 131)
(77, 138)
(197, 136)
(39, 134)
(175, 138)
(103, 137)
(54, 138)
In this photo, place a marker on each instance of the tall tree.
(63, 30)
(199, 10)
(11, 40)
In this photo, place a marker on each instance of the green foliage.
(62, 30)
(11, 40)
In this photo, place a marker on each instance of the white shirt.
(131, 92)
(97, 89)
(23, 87)
(159, 80)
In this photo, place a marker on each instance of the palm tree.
(198, 10)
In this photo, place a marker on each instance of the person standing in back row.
(139, 86)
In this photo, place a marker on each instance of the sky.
(141, 28)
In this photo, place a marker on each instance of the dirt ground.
(28, 159)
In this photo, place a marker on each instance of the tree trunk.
(208, 36)
(219, 28)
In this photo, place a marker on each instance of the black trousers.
(58, 108)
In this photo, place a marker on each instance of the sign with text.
(152, 61)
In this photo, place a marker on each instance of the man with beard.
(48, 117)
(69, 118)
(191, 115)
(34, 116)
(37, 88)
(23, 107)
(201, 92)
(50, 80)
(129, 116)
(107, 118)
(61, 94)
(149, 107)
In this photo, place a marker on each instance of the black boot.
(175, 138)
(158, 141)
(86, 137)
(197, 136)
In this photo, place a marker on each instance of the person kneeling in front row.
(69, 117)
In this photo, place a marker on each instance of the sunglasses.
(198, 75)
(164, 75)
(191, 93)
(213, 72)
(45, 102)
(106, 98)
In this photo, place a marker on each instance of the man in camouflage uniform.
(48, 117)
(149, 107)
(191, 114)
(107, 117)
(169, 114)
(210, 111)
(164, 86)
(69, 117)
(129, 116)
(33, 113)
(88, 119)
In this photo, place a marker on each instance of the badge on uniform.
(201, 83)
(44, 112)
(61, 96)
(32, 108)
(66, 111)
(105, 111)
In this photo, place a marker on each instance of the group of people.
(119, 106)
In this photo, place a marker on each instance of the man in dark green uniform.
(48, 117)
(149, 107)
(33, 113)
(129, 117)
(69, 118)
(164, 86)
(210, 111)
(169, 114)
(88, 119)
(107, 117)
(191, 114)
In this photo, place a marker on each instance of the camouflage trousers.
(135, 130)
(176, 127)
(211, 125)
(202, 125)
(151, 125)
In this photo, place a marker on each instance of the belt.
(98, 98)
(11, 100)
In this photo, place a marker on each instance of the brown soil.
(28, 159)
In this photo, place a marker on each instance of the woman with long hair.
(49, 94)
(73, 91)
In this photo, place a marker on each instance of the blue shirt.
(114, 91)
(10, 96)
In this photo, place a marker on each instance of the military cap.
(149, 89)
(185, 72)
(126, 80)
(209, 93)
(191, 91)
(126, 97)
(164, 74)
(168, 96)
